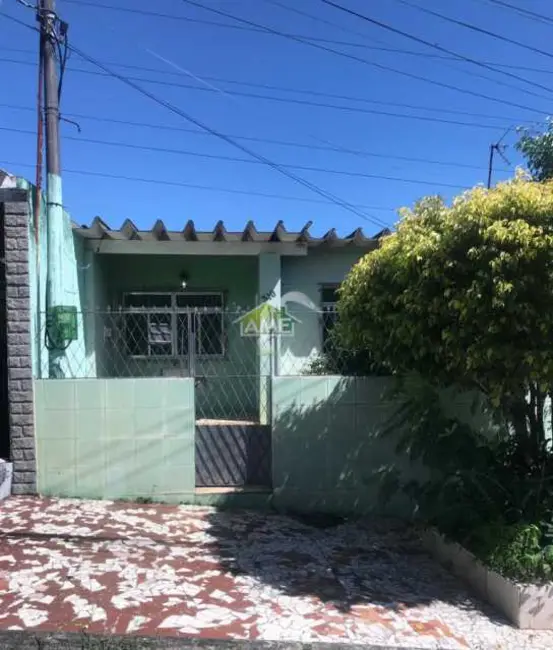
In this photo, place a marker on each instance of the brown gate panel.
(233, 455)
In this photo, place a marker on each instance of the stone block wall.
(15, 217)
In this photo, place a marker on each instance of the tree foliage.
(463, 295)
(537, 149)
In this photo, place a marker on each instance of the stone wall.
(14, 213)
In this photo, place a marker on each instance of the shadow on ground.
(380, 563)
(369, 560)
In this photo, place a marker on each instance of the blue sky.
(208, 52)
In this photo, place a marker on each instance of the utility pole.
(500, 149)
(50, 40)
(490, 165)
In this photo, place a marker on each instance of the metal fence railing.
(230, 354)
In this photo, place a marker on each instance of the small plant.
(338, 360)
(144, 500)
(515, 551)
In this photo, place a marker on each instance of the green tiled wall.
(115, 438)
(328, 454)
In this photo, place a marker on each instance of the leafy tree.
(463, 295)
(537, 148)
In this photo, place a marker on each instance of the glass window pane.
(329, 294)
(159, 328)
(198, 300)
(161, 350)
(148, 300)
(329, 320)
(209, 334)
(182, 334)
(136, 334)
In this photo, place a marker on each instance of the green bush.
(515, 551)
(478, 490)
(462, 294)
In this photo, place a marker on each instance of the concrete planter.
(6, 473)
(526, 606)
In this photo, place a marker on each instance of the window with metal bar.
(329, 298)
(162, 324)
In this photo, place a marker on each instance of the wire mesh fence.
(230, 354)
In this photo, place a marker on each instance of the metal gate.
(233, 432)
(4, 416)
(167, 335)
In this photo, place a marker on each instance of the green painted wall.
(69, 262)
(327, 448)
(229, 387)
(115, 438)
(306, 275)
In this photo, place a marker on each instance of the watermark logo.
(267, 318)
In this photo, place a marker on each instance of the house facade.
(179, 361)
(162, 303)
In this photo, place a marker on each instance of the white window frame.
(174, 310)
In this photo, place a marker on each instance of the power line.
(439, 48)
(286, 143)
(301, 91)
(221, 136)
(211, 23)
(381, 66)
(456, 57)
(533, 15)
(154, 14)
(199, 154)
(293, 100)
(210, 188)
(318, 19)
(475, 28)
(174, 109)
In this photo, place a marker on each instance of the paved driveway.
(120, 568)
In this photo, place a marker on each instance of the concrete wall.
(328, 452)
(307, 275)
(115, 438)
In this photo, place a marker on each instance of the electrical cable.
(475, 28)
(439, 48)
(533, 15)
(353, 57)
(301, 91)
(209, 188)
(173, 17)
(455, 57)
(199, 154)
(174, 109)
(285, 143)
(305, 102)
(221, 136)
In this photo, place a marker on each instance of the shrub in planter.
(517, 551)
(480, 491)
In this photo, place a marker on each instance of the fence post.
(191, 344)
